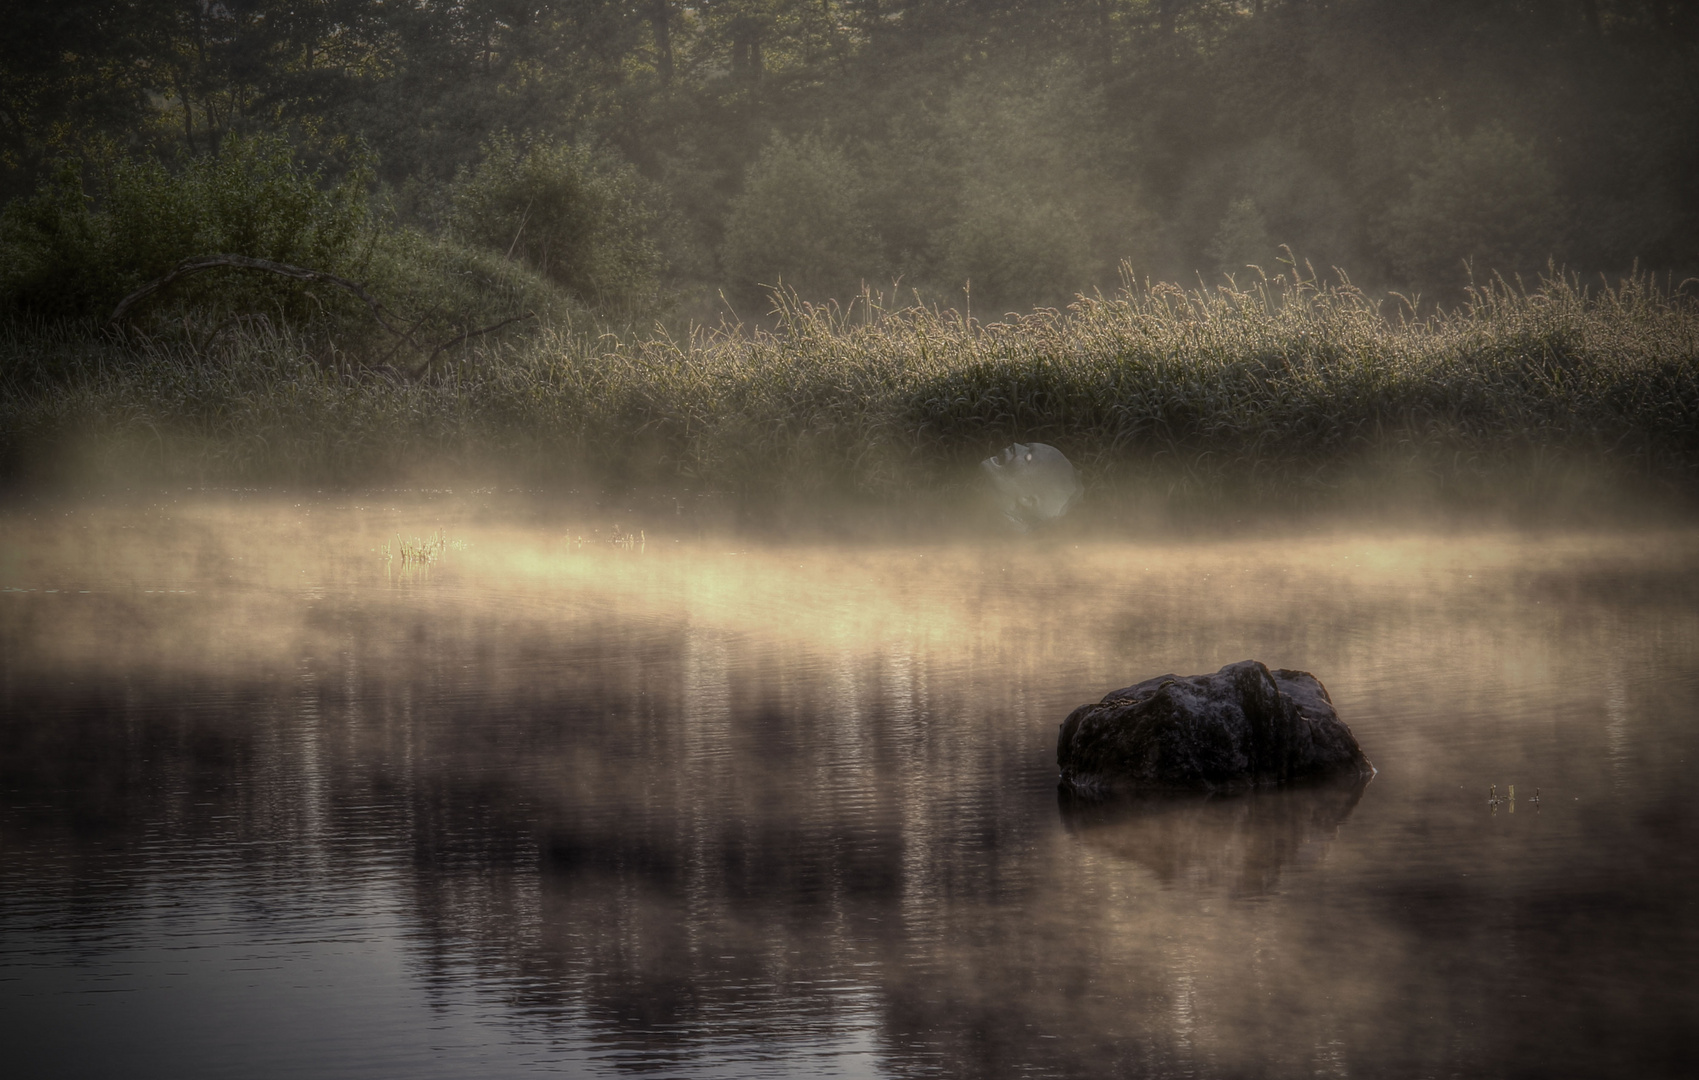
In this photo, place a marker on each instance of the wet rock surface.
(1242, 727)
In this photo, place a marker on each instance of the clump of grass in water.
(419, 552)
(618, 538)
(1279, 387)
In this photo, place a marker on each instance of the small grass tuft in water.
(617, 537)
(419, 552)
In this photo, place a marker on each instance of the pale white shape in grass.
(1033, 483)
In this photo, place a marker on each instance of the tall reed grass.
(1286, 386)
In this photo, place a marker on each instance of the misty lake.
(712, 806)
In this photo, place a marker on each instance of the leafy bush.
(1242, 240)
(1041, 212)
(1489, 199)
(94, 233)
(578, 218)
(1017, 249)
(442, 288)
(800, 222)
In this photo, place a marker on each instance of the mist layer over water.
(272, 805)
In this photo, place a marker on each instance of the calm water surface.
(273, 806)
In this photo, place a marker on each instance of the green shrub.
(94, 233)
(1044, 208)
(1242, 240)
(1489, 199)
(800, 222)
(441, 288)
(1017, 249)
(578, 218)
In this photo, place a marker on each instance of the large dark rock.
(1244, 726)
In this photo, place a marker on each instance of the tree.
(800, 221)
(1487, 198)
(575, 216)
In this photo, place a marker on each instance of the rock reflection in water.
(1240, 843)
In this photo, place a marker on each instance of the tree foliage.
(1030, 145)
(95, 231)
(801, 221)
(576, 217)
(1488, 199)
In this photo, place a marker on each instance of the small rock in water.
(1034, 483)
(1244, 726)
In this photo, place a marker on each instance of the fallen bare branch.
(301, 273)
(244, 262)
(468, 335)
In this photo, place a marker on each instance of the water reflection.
(1236, 843)
(794, 812)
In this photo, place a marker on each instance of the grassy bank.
(1272, 392)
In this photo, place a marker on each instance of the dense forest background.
(1002, 153)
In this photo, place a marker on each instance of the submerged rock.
(1244, 726)
(1034, 483)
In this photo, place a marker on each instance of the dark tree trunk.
(747, 62)
(660, 17)
(1590, 12)
(188, 112)
(1105, 31)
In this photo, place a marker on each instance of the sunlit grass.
(1278, 387)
